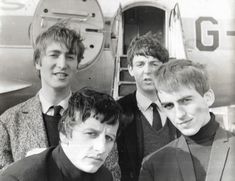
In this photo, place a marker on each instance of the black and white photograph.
(117, 90)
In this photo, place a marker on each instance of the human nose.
(180, 112)
(99, 144)
(147, 68)
(61, 62)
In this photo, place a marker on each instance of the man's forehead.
(91, 116)
(145, 58)
(55, 46)
(92, 123)
(177, 94)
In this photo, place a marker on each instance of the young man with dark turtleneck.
(204, 151)
(87, 131)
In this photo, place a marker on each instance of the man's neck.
(151, 95)
(54, 96)
(207, 130)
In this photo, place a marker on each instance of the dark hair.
(146, 45)
(176, 73)
(63, 35)
(87, 102)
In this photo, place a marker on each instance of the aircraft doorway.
(136, 20)
(140, 20)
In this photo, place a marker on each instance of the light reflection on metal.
(12, 85)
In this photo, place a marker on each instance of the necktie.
(57, 110)
(157, 124)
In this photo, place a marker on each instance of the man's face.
(142, 69)
(57, 66)
(187, 109)
(90, 144)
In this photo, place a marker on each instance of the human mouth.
(96, 158)
(61, 75)
(148, 80)
(185, 122)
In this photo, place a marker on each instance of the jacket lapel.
(185, 161)
(219, 152)
(34, 126)
(135, 138)
(139, 135)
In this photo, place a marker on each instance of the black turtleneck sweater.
(200, 147)
(51, 165)
(71, 173)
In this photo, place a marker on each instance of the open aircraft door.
(84, 16)
(176, 46)
(162, 19)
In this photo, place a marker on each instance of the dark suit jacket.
(174, 163)
(130, 142)
(42, 167)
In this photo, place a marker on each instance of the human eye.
(109, 138)
(156, 63)
(91, 134)
(53, 55)
(139, 64)
(168, 106)
(186, 101)
(70, 57)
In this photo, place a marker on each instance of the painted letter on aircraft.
(213, 34)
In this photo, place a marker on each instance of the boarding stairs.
(123, 82)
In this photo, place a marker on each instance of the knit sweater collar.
(206, 133)
(68, 170)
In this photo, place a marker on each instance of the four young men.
(178, 90)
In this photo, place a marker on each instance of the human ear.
(64, 139)
(130, 69)
(38, 64)
(209, 97)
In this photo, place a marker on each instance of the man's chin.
(90, 169)
(149, 89)
(188, 132)
(61, 85)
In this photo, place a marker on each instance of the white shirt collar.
(144, 102)
(47, 105)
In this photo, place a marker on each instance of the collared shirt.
(144, 106)
(47, 106)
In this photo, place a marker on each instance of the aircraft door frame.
(156, 8)
(123, 83)
(176, 46)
